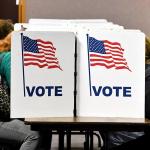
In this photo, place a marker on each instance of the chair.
(88, 138)
(4, 146)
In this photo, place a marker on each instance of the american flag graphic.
(39, 53)
(106, 53)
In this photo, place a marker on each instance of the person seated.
(14, 132)
(6, 28)
(123, 140)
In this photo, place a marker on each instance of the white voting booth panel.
(62, 21)
(20, 26)
(48, 21)
(110, 70)
(88, 20)
(74, 29)
(111, 74)
(39, 27)
(65, 25)
(67, 28)
(94, 26)
(74, 23)
(42, 74)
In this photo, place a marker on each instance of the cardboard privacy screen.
(110, 70)
(42, 74)
(111, 74)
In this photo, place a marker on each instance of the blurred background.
(9, 10)
(133, 14)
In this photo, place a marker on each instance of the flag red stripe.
(35, 64)
(107, 61)
(50, 55)
(114, 51)
(113, 54)
(47, 54)
(123, 67)
(28, 54)
(50, 58)
(33, 59)
(42, 63)
(52, 62)
(125, 63)
(39, 57)
(119, 59)
(41, 66)
(40, 60)
(110, 47)
(44, 50)
(103, 64)
(111, 43)
(115, 60)
(40, 47)
(44, 42)
(51, 67)
(98, 55)
(43, 46)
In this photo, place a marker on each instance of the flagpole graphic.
(106, 54)
(89, 65)
(23, 64)
(38, 53)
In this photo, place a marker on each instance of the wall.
(129, 13)
(9, 10)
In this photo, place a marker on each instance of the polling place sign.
(112, 73)
(42, 74)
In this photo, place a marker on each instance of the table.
(88, 124)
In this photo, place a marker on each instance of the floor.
(77, 142)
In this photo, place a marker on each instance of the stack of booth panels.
(110, 79)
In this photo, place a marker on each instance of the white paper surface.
(51, 103)
(133, 44)
(126, 101)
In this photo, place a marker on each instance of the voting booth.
(42, 74)
(111, 76)
(106, 78)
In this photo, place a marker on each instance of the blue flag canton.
(30, 45)
(96, 46)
